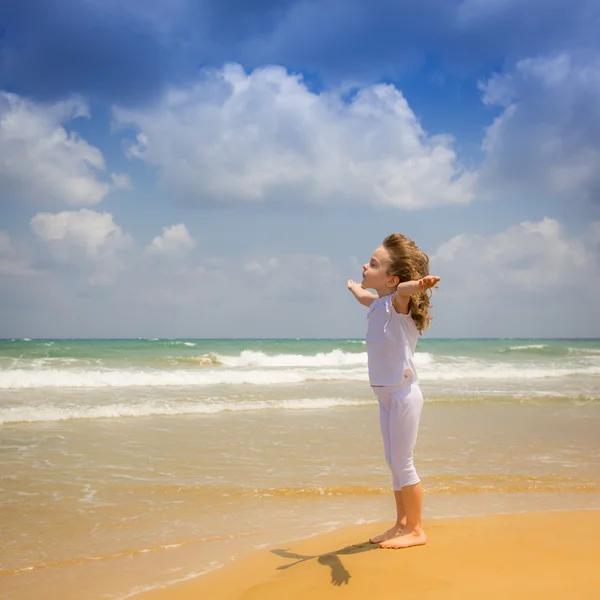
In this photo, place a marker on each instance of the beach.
(135, 467)
(540, 555)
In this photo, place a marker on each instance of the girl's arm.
(405, 290)
(365, 297)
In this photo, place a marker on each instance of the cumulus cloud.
(174, 242)
(87, 241)
(530, 255)
(93, 233)
(40, 161)
(530, 279)
(547, 138)
(265, 137)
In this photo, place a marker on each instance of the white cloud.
(174, 242)
(40, 161)
(265, 137)
(530, 280)
(547, 139)
(527, 256)
(89, 242)
(93, 233)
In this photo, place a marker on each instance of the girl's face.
(375, 275)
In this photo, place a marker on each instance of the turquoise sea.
(129, 464)
(40, 379)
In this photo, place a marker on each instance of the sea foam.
(30, 414)
(125, 378)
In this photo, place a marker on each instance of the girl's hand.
(428, 282)
(363, 296)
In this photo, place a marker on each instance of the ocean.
(129, 464)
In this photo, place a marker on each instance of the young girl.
(399, 272)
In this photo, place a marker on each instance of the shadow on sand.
(339, 574)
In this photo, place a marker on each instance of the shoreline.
(519, 555)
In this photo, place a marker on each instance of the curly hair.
(409, 263)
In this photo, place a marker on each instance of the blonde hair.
(409, 263)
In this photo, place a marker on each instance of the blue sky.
(220, 169)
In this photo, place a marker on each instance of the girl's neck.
(384, 292)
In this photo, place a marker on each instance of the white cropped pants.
(399, 415)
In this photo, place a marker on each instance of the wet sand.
(547, 555)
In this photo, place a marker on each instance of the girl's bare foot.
(405, 539)
(392, 532)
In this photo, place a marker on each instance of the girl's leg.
(385, 399)
(400, 509)
(413, 500)
(405, 414)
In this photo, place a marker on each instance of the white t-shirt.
(391, 344)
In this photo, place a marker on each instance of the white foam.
(335, 358)
(505, 372)
(429, 369)
(423, 359)
(529, 347)
(89, 378)
(30, 414)
(585, 350)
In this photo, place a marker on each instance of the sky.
(220, 169)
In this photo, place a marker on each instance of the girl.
(399, 272)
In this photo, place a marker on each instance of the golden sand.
(543, 556)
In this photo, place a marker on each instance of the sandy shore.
(524, 556)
